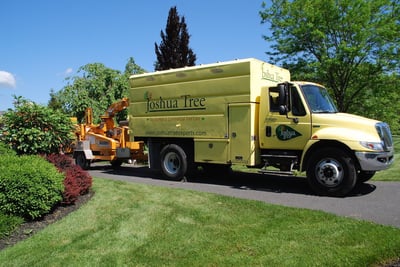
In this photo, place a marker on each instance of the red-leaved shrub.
(77, 181)
(71, 189)
(62, 162)
(82, 177)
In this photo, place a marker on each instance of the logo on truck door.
(185, 102)
(284, 132)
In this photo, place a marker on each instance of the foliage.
(132, 68)
(29, 186)
(345, 45)
(61, 161)
(95, 86)
(391, 174)
(8, 224)
(54, 103)
(35, 129)
(6, 150)
(141, 225)
(71, 189)
(76, 182)
(381, 101)
(174, 51)
(83, 178)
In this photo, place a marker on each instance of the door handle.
(268, 131)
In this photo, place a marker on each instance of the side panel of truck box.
(186, 108)
(214, 105)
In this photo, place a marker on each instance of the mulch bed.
(30, 228)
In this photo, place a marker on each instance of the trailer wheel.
(174, 163)
(81, 161)
(331, 172)
(116, 164)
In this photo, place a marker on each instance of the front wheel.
(331, 172)
(174, 162)
(364, 176)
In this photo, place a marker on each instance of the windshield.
(318, 99)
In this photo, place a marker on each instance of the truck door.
(284, 132)
(240, 133)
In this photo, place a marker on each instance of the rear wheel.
(331, 172)
(81, 161)
(174, 162)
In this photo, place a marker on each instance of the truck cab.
(301, 129)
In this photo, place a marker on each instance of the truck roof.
(304, 83)
(238, 67)
(203, 66)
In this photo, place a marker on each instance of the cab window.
(296, 103)
(273, 99)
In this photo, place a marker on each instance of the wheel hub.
(329, 172)
(172, 163)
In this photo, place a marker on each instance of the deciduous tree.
(343, 44)
(95, 86)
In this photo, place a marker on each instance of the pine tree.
(174, 50)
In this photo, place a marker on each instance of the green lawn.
(128, 224)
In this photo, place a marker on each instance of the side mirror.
(282, 94)
(283, 110)
(283, 98)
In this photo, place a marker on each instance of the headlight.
(377, 146)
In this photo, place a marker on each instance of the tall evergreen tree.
(174, 50)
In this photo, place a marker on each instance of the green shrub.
(6, 150)
(34, 129)
(8, 224)
(29, 186)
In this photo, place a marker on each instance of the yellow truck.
(248, 112)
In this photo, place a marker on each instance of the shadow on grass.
(233, 179)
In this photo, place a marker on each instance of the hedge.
(29, 186)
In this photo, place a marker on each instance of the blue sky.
(45, 41)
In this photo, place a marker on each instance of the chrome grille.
(385, 135)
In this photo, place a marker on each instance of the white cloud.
(65, 73)
(68, 71)
(7, 80)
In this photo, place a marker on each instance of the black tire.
(174, 162)
(81, 161)
(364, 176)
(331, 172)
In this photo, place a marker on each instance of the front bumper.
(375, 161)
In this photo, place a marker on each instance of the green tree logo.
(284, 132)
